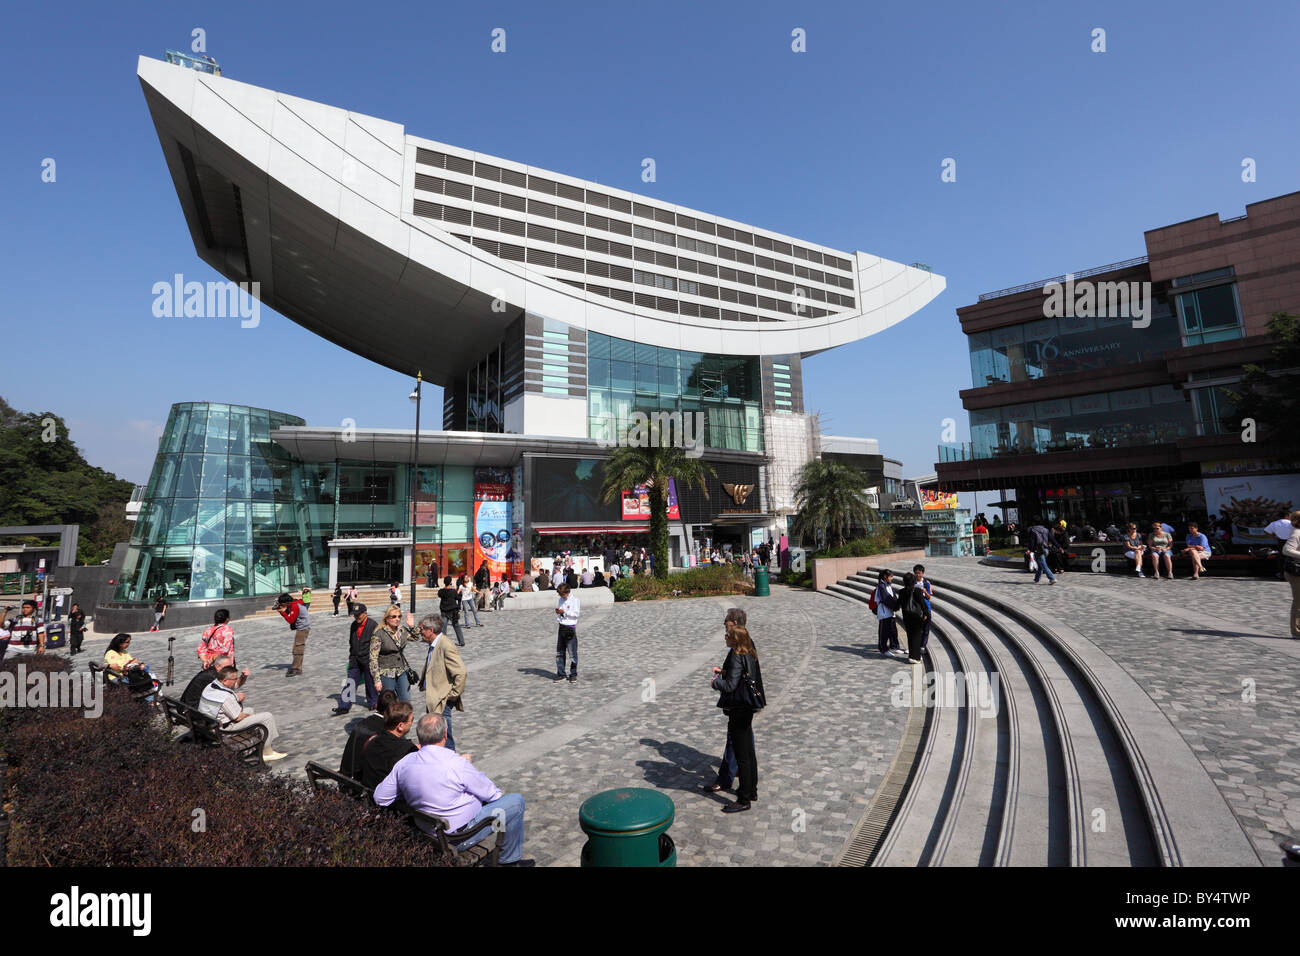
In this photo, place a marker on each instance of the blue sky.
(1064, 157)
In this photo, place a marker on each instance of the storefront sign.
(495, 540)
(937, 500)
(636, 503)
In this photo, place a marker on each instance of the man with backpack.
(360, 631)
(885, 602)
(295, 613)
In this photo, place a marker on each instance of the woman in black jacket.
(912, 603)
(732, 679)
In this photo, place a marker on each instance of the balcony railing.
(1098, 270)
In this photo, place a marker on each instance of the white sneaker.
(269, 755)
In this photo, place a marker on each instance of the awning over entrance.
(596, 529)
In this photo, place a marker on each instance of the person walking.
(159, 613)
(1291, 569)
(482, 581)
(361, 633)
(443, 680)
(469, 602)
(915, 615)
(387, 651)
(1060, 547)
(295, 613)
(566, 642)
(395, 595)
(1159, 543)
(338, 596)
(449, 607)
(77, 627)
(739, 683)
(1040, 543)
(350, 595)
(886, 604)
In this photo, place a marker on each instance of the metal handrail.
(1028, 286)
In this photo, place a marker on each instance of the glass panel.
(238, 477)
(647, 378)
(621, 350)
(207, 574)
(238, 430)
(180, 525)
(218, 431)
(259, 425)
(194, 436)
(266, 570)
(668, 383)
(622, 375)
(211, 522)
(598, 373)
(166, 472)
(239, 523)
(214, 476)
(175, 439)
(597, 345)
(191, 471)
(237, 572)
(260, 470)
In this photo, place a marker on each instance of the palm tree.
(832, 498)
(654, 466)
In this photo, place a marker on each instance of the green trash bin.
(761, 588)
(627, 827)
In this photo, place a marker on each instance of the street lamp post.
(415, 481)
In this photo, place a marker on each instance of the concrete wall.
(827, 571)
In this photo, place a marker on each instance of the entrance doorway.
(370, 565)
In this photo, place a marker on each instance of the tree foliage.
(832, 500)
(653, 466)
(45, 480)
(1271, 395)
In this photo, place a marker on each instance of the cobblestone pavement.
(641, 714)
(1216, 657)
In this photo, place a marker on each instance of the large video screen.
(568, 489)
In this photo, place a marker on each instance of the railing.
(1155, 435)
(204, 63)
(1029, 286)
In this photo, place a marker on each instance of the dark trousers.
(74, 642)
(740, 728)
(925, 635)
(728, 770)
(566, 642)
(915, 628)
(451, 620)
(888, 633)
(359, 675)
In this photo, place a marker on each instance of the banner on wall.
(496, 539)
(424, 492)
(636, 503)
(937, 500)
(1252, 503)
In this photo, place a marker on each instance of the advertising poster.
(1252, 503)
(636, 503)
(495, 537)
(937, 500)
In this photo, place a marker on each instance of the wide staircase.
(1027, 746)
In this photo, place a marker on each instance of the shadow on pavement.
(683, 767)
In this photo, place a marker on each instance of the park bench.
(204, 730)
(484, 853)
(138, 693)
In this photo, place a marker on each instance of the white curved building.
(426, 257)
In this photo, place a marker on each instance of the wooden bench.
(484, 853)
(248, 744)
(138, 694)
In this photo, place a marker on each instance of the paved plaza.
(1213, 655)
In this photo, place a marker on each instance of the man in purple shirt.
(442, 783)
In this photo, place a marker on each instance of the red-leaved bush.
(117, 791)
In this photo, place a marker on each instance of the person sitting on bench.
(382, 751)
(221, 702)
(442, 783)
(193, 692)
(350, 763)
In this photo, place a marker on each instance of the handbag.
(1291, 566)
(748, 692)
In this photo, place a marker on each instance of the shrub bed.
(116, 791)
(707, 581)
(878, 543)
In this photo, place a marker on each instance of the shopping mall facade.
(551, 311)
(1104, 414)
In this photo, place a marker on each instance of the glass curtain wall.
(625, 377)
(228, 513)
